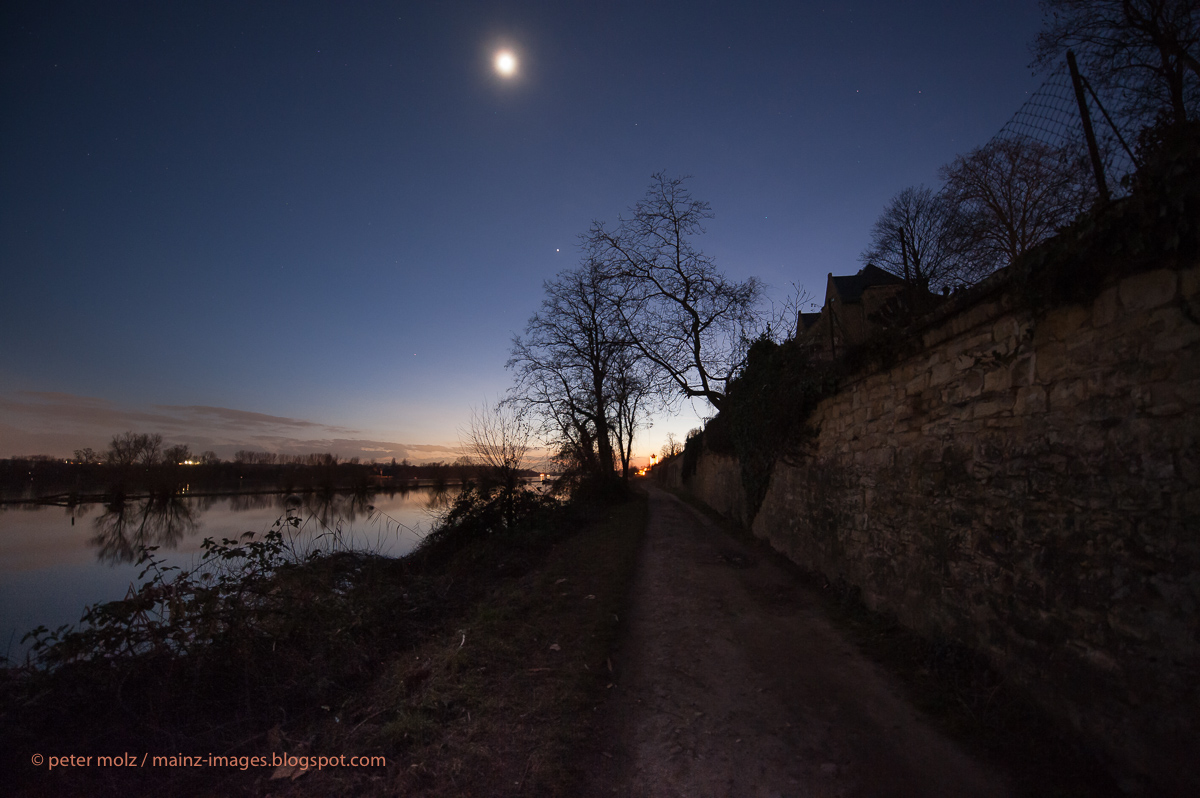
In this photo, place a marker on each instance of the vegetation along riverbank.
(473, 662)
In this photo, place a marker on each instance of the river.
(54, 561)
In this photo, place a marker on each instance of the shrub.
(767, 407)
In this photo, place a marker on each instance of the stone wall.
(1029, 485)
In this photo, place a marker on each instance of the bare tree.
(498, 437)
(151, 453)
(87, 455)
(915, 238)
(633, 394)
(175, 455)
(672, 447)
(123, 450)
(1146, 51)
(1010, 195)
(132, 447)
(565, 361)
(579, 375)
(679, 312)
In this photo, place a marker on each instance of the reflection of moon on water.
(506, 63)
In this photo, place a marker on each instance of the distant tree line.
(139, 448)
(137, 463)
(272, 458)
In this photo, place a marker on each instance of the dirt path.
(730, 682)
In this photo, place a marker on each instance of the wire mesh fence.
(1052, 117)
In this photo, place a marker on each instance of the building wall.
(1029, 484)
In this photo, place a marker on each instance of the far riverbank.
(62, 481)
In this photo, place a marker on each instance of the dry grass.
(499, 701)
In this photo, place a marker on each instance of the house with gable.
(854, 308)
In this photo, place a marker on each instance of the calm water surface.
(56, 560)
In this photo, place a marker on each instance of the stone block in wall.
(1112, 382)
(1083, 344)
(942, 373)
(973, 317)
(963, 362)
(970, 386)
(1148, 290)
(917, 384)
(904, 439)
(1189, 282)
(1102, 408)
(1007, 329)
(1160, 399)
(993, 404)
(966, 344)
(932, 337)
(1188, 393)
(1063, 323)
(1158, 465)
(1173, 330)
(1053, 361)
(998, 379)
(1006, 421)
(878, 394)
(1024, 370)
(1106, 307)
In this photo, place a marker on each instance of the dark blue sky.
(307, 226)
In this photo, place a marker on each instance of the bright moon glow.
(506, 63)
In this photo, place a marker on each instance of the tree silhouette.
(578, 373)
(1146, 51)
(1010, 195)
(915, 238)
(678, 310)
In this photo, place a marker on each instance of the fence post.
(1089, 134)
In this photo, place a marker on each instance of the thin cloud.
(43, 422)
(66, 398)
(357, 447)
(245, 419)
(48, 412)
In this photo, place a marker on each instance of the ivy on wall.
(767, 409)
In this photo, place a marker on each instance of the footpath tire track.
(731, 682)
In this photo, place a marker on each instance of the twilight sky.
(316, 226)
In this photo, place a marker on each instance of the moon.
(506, 63)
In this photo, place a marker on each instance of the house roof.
(808, 320)
(850, 287)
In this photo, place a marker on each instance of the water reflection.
(125, 527)
(242, 502)
(56, 559)
(440, 498)
(330, 509)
